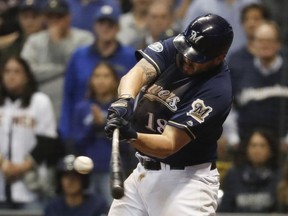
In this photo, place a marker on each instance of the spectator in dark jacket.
(250, 185)
(73, 201)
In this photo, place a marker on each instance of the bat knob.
(117, 192)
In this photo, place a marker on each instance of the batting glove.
(126, 131)
(121, 108)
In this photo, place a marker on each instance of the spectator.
(82, 12)
(229, 9)
(72, 200)
(252, 16)
(26, 115)
(31, 20)
(261, 88)
(133, 23)
(250, 186)
(48, 51)
(106, 47)
(181, 9)
(159, 24)
(9, 26)
(278, 12)
(88, 126)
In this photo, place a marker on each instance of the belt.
(150, 164)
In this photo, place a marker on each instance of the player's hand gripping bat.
(116, 177)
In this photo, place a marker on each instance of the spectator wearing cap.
(72, 199)
(48, 51)
(107, 48)
(31, 20)
(82, 12)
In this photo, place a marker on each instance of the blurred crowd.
(61, 61)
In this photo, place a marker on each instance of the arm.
(162, 145)
(172, 139)
(140, 75)
(13, 171)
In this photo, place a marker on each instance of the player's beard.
(193, 69)
(183, 67)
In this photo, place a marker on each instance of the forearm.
(162, 145)
(155, 145)
(140, 75)
(131, 83)
(27, 165)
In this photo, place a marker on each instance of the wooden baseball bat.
(116, 177)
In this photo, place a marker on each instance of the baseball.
(83, 164)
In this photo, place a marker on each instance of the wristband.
(126, 96)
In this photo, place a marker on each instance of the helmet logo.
(194, 38)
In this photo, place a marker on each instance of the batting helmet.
(205, 38)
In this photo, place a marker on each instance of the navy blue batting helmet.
(205, 38)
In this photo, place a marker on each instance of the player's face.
(192, 68)
(14, 77)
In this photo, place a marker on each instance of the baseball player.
(184, 95)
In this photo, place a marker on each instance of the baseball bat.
(116, 178)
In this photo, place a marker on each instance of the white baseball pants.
(165, 192)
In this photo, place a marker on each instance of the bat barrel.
(117, 188)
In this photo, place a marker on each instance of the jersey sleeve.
(159, 54)
(204, 114)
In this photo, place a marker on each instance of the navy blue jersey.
(197, 104)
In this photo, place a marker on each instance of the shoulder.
(126, 18)
(38, 36)
(82, 50)
(40, 99)
(78, 31)
(81, 36)
(222, 80)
